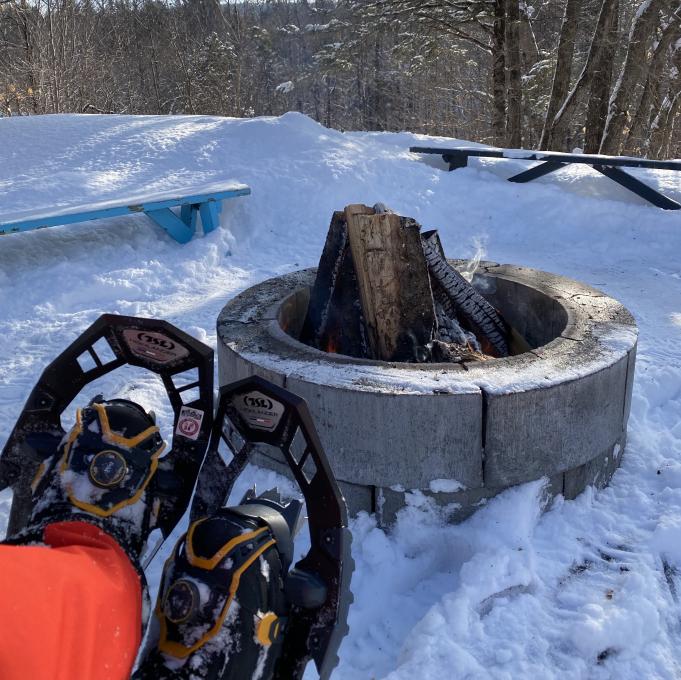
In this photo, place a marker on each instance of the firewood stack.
(385, 291)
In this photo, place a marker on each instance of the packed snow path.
(586, 590)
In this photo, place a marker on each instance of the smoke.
(468, 272)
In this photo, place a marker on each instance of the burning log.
(385, 291)
(334, 321)
(478, 314)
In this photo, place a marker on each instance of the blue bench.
(181, 227)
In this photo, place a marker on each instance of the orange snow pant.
(71, 611)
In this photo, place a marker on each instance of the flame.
(331, 346)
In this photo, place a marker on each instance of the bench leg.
(455, 162)
(537, 171)
(210, 218)
(189, 214)
(173, 224)
(639, 188)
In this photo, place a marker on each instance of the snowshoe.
(229, 607)
(108, 469)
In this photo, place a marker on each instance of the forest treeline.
(600, 75)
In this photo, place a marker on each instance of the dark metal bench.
(550, 161)
(180, 226)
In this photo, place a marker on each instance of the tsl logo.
(258, 402)
(156, 340)
(153, 346)
(259, 411)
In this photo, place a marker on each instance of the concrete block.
(596, 472)
(232, 366)
(458, 505)
(379, 439)
(631, 366)
(547, 430)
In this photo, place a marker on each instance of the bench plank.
(158, 209)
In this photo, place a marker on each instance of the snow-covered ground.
(579, 591)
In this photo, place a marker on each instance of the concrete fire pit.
(457, 433)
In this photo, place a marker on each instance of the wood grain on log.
(393, 282)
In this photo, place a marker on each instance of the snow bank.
(586, 590)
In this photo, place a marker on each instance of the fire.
(331, 346)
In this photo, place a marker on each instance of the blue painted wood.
(189, 207)
(189, 215)
(167, 219)
(209, 216)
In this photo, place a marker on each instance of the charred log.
(454, 353)
(385, 291)
(472, 309)
(334, 321)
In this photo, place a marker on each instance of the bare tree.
(561, 78)
(601, 83)
(499, 73)
(483, 70)
(633, 72)
(557, 127)
(651, 98)
(515, 90)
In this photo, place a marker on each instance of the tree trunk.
(652, 91)
(663, 126)
(529, 50)
(661, 129)
(561, 77)
(633, 72)
(558, 127)
(597, 110)
(515, 91)
(499, 73)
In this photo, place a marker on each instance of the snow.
(445, 486)
(285, 88)
(579, 589)
(80, 174)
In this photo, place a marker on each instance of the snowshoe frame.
(255, 411)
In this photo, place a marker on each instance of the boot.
(99, 473)
(221, 610)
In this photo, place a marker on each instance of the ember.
(386, 291)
